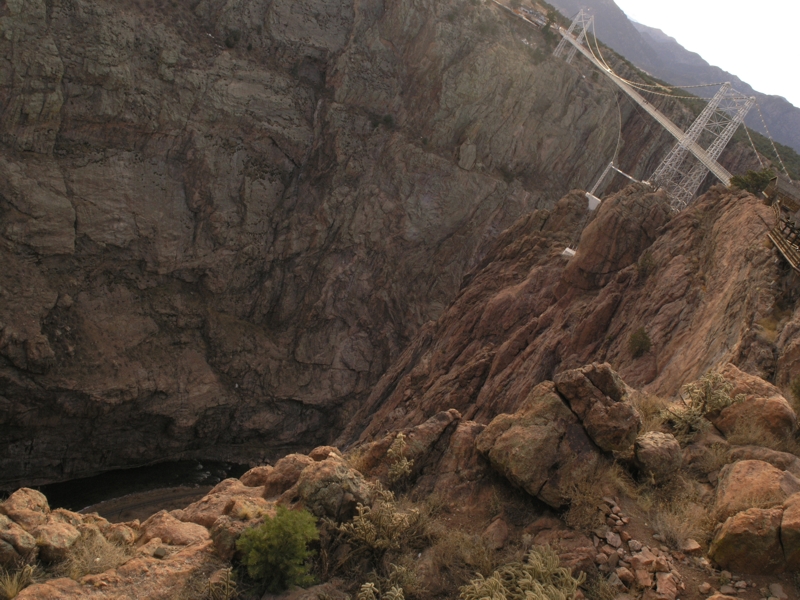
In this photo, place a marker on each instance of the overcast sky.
(752, 40)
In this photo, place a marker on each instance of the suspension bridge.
(685, 167)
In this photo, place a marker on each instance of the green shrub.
(275, 552)
(639, 343)
(753, 181)
(539, 578)
(232, 38)
(646, 265)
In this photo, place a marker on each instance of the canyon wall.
(222, 220)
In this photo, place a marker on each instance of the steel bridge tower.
(680, 173)
(687, 164)
(581, 23)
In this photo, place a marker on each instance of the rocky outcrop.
(542, 448)
(519, 319)
(598, 396)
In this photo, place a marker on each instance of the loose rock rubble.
(631, 564)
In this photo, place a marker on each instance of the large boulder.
(172, 531)
(749, 542)
(542, 448)
(285, 474)
(329, 488)
(208, 509)
(658, 454)
(790, 532)
(15, 537)
(54, 539)
(763, 409)
(257, 476)
(749, 483)
(26, 507)
(599, 397)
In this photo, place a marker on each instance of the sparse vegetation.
(646, 265)
(92, 554)
(276, 551)
(458, 556)
(586, 495)
(651, 408)
(540, 577)
(399, 466)
(639, 343)
(753, 181)
(700, 399)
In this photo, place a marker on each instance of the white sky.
(752, 40)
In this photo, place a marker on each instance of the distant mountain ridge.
(659, 54)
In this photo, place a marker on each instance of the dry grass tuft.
(714, 457)
(598, 588)
(678, 521)
(92, 554)
(458, 556)
(13, 582)
(652, 410)
(585, 496)
(749, 433)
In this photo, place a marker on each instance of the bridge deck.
(789, 251)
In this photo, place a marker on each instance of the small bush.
(399, 466)
(539, 578)
(639, 343)
(705, 397)
(232, 38)
(276, 551)
(646, 265)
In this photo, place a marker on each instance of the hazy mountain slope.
(652, 50)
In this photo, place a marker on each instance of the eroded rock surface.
(520, 319)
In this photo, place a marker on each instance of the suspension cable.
(771, 141)
(752, 145)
